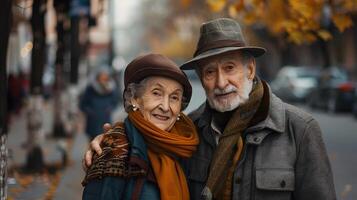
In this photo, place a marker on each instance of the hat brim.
(191, 64)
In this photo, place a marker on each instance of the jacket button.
(282, 184)
(238, 180)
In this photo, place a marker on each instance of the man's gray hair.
(246, 56)
(135, 90)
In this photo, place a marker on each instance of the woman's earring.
(178, 117)
(134, 107)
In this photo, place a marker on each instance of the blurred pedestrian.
(140, 155)
(98, 101)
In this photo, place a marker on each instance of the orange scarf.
(181, 141)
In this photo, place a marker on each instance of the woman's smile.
(161, 117)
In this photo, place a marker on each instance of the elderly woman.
(139, 158)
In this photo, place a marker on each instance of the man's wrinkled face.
(227, 80)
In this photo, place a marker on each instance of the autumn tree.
(294, 21)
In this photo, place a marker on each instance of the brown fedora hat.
(220, 36)
(156, 65)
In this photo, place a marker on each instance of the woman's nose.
(165, 104)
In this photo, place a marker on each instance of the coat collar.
(274, 121)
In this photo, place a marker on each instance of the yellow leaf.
(296, 37)
(324, 34)
(250, 18)
(309, 25)
(185, 3)
(309, 37)
(239, 5)
(290, 25)
(302, 7)
(216, 5)
(342, 21)
(349, 5)
(232, 11)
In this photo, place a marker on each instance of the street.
(340, 135)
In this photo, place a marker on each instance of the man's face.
(227, 80)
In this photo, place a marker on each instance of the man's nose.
(221, 81)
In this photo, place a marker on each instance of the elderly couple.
(243, 143)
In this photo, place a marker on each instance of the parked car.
(294, 83)
(334, 92)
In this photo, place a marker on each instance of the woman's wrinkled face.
(160, 101)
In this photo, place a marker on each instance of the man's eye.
(209, 72)
(230, 67)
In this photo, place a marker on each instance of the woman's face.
(160, 101)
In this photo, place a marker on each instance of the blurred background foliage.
(298, 21)
(298, 32)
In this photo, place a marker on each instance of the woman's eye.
(156, 93)
(175, 98)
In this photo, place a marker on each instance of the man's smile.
(225, 95)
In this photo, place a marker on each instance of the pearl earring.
(134, 107)
(178, 117)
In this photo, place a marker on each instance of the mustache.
(228, 89)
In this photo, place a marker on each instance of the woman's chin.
(163, 125)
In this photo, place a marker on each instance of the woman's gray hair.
(135, 90)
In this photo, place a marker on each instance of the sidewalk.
(60, 184)
(70, 184)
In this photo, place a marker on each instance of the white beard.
(232, 103)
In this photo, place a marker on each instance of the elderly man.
(252, 145)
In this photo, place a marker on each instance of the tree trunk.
(325, 53)
(58, 125)
(5, 24)
(39, 45)
(75, 49)
(34, 159)
(354, 71)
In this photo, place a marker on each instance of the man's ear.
(251, 69)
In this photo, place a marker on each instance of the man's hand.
(94, 146)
